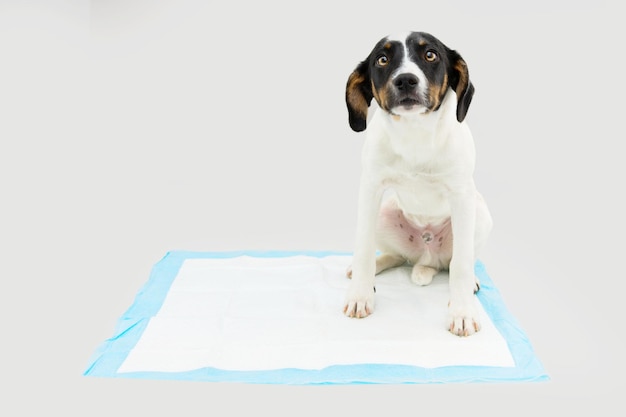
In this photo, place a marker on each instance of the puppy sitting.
(419, 148)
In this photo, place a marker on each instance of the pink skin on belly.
(428, 245)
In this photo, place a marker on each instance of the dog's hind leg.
(383, 262)
(388, 260)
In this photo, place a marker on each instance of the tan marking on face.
(436, 93)
(381, 97)
(421, 42)
(387, 45)
(355, 98)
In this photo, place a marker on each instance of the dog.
(417, 203)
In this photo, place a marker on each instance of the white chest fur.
(421, 159)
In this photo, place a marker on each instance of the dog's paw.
(359, 301)
(422, 275)
(463, 319)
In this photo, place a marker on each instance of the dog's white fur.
(427, 158)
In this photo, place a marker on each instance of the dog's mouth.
(409, 102)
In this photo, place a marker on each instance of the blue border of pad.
(111, 354)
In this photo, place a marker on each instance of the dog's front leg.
(360, 296)
(463, 312)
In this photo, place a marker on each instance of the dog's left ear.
(460, 83)
(359, 96)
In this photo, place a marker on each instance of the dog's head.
(408, 75)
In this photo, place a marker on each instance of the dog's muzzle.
(406, 88)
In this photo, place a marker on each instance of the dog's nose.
(405, 82)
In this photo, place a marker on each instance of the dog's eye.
(431, 56)
(382, 61)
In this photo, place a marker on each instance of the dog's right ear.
(359, 96)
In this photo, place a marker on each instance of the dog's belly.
(425, 243)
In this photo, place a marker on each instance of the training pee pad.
(276, 317)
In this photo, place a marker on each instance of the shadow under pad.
(275, 318)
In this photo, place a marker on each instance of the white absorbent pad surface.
(276, 317)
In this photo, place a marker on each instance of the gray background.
(131, 128)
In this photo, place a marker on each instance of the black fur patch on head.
(393, 53)
(449, 70)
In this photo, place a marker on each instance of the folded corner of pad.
(275, 317)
